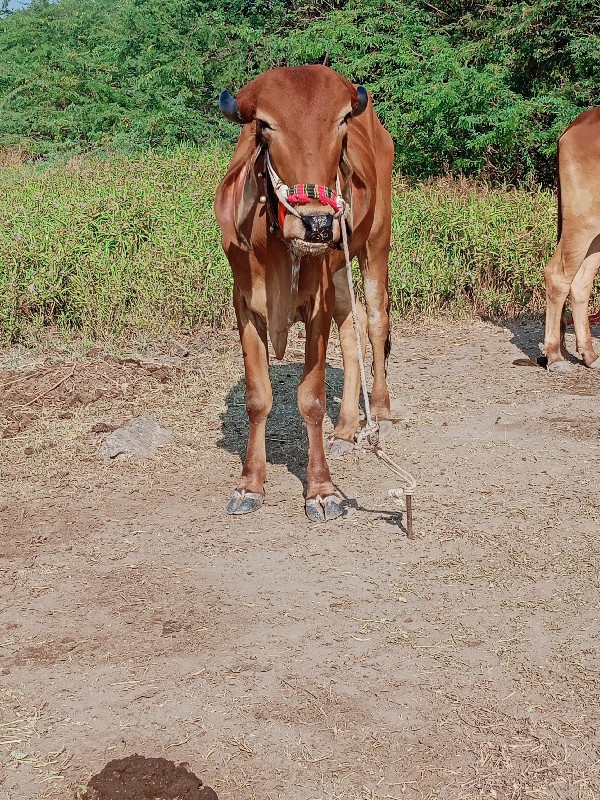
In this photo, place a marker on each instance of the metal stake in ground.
(370, 432)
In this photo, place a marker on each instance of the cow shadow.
(286, 438)
(527, 334)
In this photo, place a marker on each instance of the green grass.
(461, 246)
(103, 246)
(100, 247)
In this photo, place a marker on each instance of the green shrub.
(479, 88)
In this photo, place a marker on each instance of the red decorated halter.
(303, 193)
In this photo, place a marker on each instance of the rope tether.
(370, 432)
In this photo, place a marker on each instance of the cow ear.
(358, 162)
(345, 166)
(238, 193)
(247, 197)
(362, 101)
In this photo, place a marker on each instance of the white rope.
(370, 433)
(282, 191)
(280, 188)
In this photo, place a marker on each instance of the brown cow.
(575, 262)
(311, 149)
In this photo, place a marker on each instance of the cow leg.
(373, 260)
(558, 275)
(347, 425)
(259, 398)
(581, 289)
(322, 502)
(557, 290)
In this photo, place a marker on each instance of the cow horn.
(363, 99)
(229, 107)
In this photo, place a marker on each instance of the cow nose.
(319, 228)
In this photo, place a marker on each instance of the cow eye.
(345, 120)
(264, 126)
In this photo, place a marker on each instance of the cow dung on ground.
(140, 778)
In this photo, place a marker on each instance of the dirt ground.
(276, 658)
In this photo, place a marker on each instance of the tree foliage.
(481, 88)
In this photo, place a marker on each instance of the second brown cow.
(574, 265)
(311, 150)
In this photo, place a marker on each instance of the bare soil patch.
(71, 385)
(276, 658)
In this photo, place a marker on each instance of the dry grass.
(23, 745)
(11, 157)
(102, 248)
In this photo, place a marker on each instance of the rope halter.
(302, 193)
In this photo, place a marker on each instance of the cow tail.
(559, 222)
(387, 349)
(559, 215)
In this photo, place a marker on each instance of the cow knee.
(311, 405)
(579, 293)
(347, 333)
(362, 316)
(560, 276)
(258, 405)
(557, 285)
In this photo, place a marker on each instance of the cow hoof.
(340, 447)
(244, 502)
(322, 509)
(595, 364)
(560, 367)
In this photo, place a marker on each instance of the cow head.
(301, 114)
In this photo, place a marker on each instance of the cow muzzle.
(312, 231)
(308, 214)
(319, 228)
